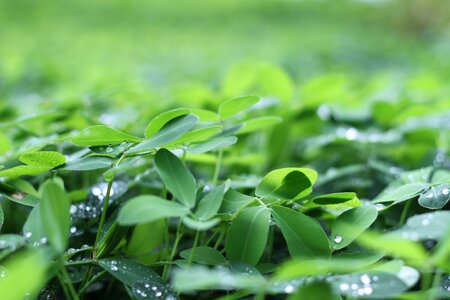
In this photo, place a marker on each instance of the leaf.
(48, 159)
(88, 163)
(55, 215)
(436, 197)
(258, 124)
(401, 193)
(351, 262)
(23, 199)
(148, 208)
(369, 285)
(177, 178)
(100, 135)
(205, 255)
(247, 236)
(334, 198)
(429, 226)
(28, 268)
(169, 133)
(200, 225)
(316, 290)
(154, 291)
(305, 238)
(210, 204)
(214, 144)
(33, 227)
(350, 224)
(145, 240)
(23, 171)
(236, 105)
(129, 271)
(233, 200)
(287, 183)
(162, 119)
(196, 136)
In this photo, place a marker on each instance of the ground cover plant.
(281, 150)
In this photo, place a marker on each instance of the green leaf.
(247, 236)
(205, 255)
(316, 290)
(236, 105)
(287, 183)
(350, 224)
(28, 268)
(436, 197)
(155, 291)
(305, 238)
(100, 135)
(169, 133)
(198, 135)
(401, 193)
(350, 262)
(13, 241)
(200, 225)
(210, 204)
(177, 178)
(258, 124)
(369, 285)
(233, 200)
(48, 159)
(23, 199)
(129, 271)
(88, 163)
(429, 226)
(55, 215)
(162, 119)
(214, 144)
(145, 240)
(334, 198)
(23, 171)
(148, 208)
(33, 227)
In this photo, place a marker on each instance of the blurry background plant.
(357, 90)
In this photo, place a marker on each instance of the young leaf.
(205, 255)
(436, 197)
(258, 124)
(22, 171)
(148, 208)
(210, 204)
(55, 215)
(212, 145)
(169, 133)
(162, 119)
(235, 105)
(48, 159)
(177, 178)
(305, 238)
(196, 136)
(100, 135)
(200, 225)
(233, 200)
(287, 183)
(88, 163)
(334, 198)
(247, 236)
(350, 224)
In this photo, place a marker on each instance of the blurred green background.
(158, 50)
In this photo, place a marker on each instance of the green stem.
(217, 168)
(64, 287)
(191, 255)
(81, 262)
(168, 267)
(103, 216)
(405, 212)
(93, 279)
(68, 281)
(434, 294)
(219, 239)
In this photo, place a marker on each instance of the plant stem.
(404, 212)
(217, 168)
(168, 267)
(436, 285)
(68, 281)
(103, 216)
(191, 255)
(93, 279)
(220, 238)
(64, 287)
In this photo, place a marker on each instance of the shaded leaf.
(436, 197)
(205, 255)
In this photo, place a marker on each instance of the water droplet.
(426, 222)
(365, 279)
(289, 289)
(351, 133)
(337, 239)
(28, 234)
(380, 206)
(445, 191)
(429, 195)
(109, 150)
(344, 286)
(354, 286)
